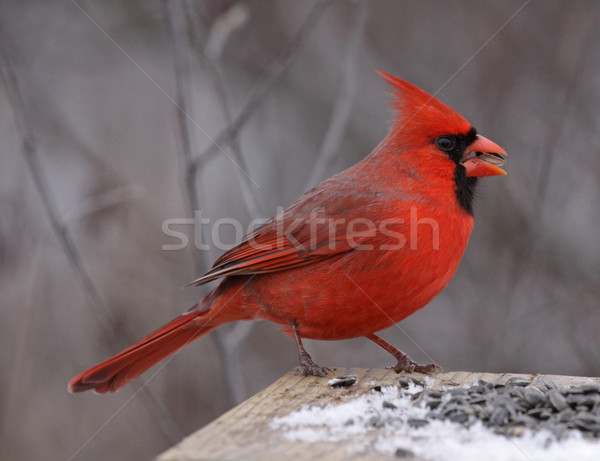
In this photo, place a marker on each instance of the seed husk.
(389, 405)
(518, 381)
(499, 416)
(418, 381)
(511, 406)
(343, 381)
(404, 453)
(417, 422)
(533, 396)
(557, 400)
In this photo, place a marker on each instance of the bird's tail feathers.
(112, 374)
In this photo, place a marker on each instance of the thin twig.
(239, 331)
(179, 36)
(216, 74)
(271, 76)
(226, 345)
(120, 48)
(30, 152)
(248, 190)
(344, 101)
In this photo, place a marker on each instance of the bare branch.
(106, 200)
(29, 149)
(30, 152)
(221, 29)
(178, 31)
(180, 38)
(344, 102)
(229, 135)
(234, 17)
(271, 76)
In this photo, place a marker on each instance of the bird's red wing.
(297, 237)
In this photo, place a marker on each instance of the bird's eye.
(445, 143)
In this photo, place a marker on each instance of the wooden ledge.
(243, 433)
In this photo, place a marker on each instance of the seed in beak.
(491, 157)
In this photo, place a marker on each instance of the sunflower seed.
(499, 416)
(433, 403)
(418, 381)
(590, 388)
(544, 384)
(518, 381)
(513, 406)
(540, 413)
(557, 400)
(478, 389)
(483, 383)
(416, 422)
(533, 396)
(580, 399)
(459, 417)
(477, 399)
(390, 405)
(342, 381)
(403, 383)
(404, 453)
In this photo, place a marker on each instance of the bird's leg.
(307, 366)
(404, 361)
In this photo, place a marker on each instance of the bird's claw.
(410, 366)
(429, 368)
(310, 368)
(314, 371)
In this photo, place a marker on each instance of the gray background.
(105, 141)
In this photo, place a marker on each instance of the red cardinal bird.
(354, 255)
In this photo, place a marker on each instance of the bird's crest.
(417, 110)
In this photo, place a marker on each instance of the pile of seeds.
(510, 407)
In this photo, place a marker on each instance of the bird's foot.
(406, 364)
(307, 366)
(404, 361)
(310, 368)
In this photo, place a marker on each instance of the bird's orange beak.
(484, 158)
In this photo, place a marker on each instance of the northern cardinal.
(354, 255)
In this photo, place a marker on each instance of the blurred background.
(96, 155)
